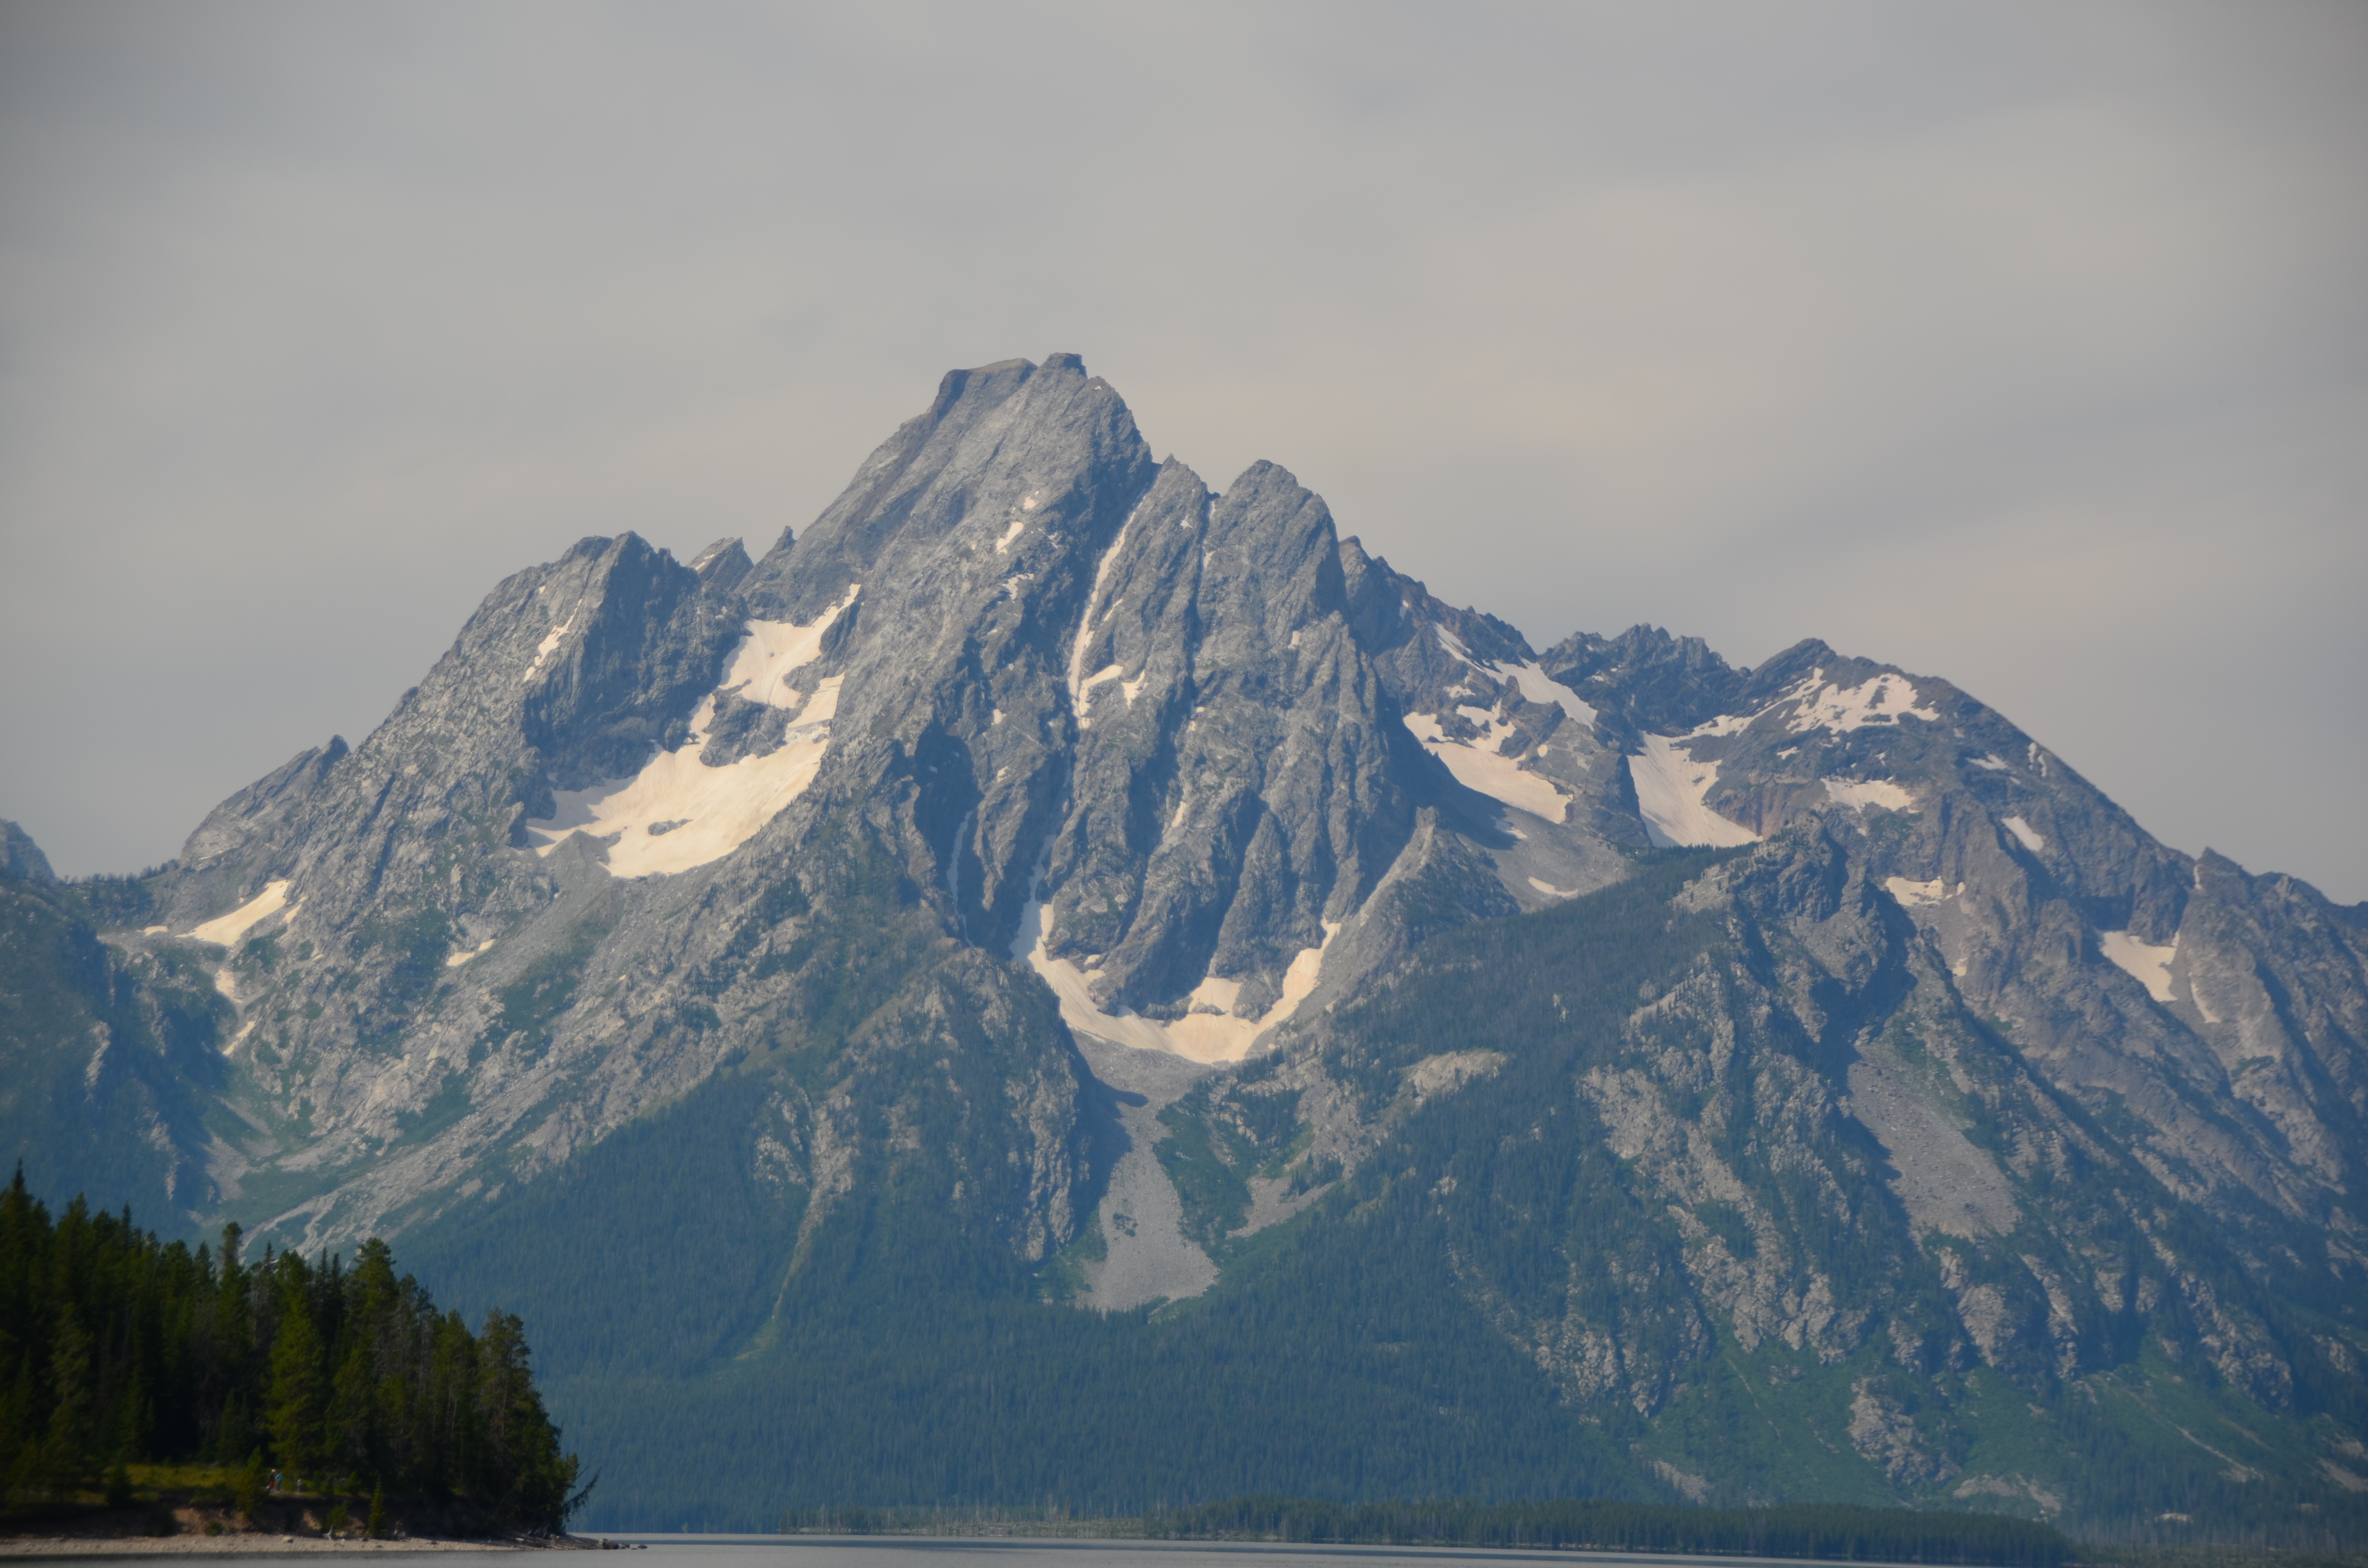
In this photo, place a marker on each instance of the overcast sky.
(2022, 346)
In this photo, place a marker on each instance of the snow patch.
(1859, 794)
(769, 651)
(545, 649)
(1553, 891)
(2146, 964)
(1918, 895)
(717, 809)
(1535, 685)
(1725, 724)
(2023, 830)
(455, 960)
(1488, 770)
(1670, 789)
(1216, 995)
(226, 929)
(678, 812)
(1011, 533)
(1885, 699)
(1086, 625)
(1197, 1036)
(1992, 763)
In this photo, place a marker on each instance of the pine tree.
(248, 1491)
(71, 1424)
(377, 1526)
(298, 1390)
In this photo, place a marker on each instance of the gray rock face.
(1031, 743)
(21, 857)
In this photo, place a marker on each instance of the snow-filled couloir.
(679, 812)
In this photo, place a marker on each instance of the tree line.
(118, 1349)
(1833, 1531)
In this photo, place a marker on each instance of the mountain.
(1057, 982)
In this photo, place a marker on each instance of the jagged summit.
(1091, 871)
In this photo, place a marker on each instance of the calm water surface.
(947, 1551)
(678, 1551)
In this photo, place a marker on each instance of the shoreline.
(244, 1544)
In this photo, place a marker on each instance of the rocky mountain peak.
(1083, 871)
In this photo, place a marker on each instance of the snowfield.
(678, 812)
(227, 929)
(1859, 794)
(1197, 1036)
(1535, 683)
(2149, 965)
(1670, 789)
(1918, 895)
(1488, 770)
(1885, 699)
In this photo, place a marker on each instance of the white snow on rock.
(1990, 762)
(1535, 685)
(1018, 523)
(2146, 964)
(1725, 724)
(1127, 689)
(226, 929)
(2023, 830)
(1488, 770)
(1885, 699)
(678, 812)
(1077, 683)
(770, 650)
(1860, 793)
(1670, 789)
(1918, 895)
(545, 649)
(454, 961)
(1553, 891)
(1198, 1036)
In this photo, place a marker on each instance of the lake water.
(948, 1552)
(679, 1551)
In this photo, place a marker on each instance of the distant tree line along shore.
(117, 1348)
(1829, 1531)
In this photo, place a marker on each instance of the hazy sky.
(2020, 345)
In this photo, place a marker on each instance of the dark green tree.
(298, 1395)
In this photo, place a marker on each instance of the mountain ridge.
(907, 859)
